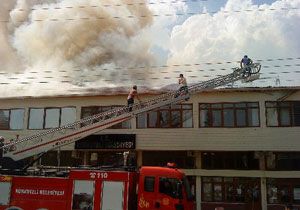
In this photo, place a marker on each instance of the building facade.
(239, 147)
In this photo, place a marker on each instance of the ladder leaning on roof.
(58, 137)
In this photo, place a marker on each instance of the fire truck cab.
(149, 188)
(165, 189)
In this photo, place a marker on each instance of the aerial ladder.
(52, 139)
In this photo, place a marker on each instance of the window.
(149, 182)
(52, 117)
(230, 189)
(11, 119)
(171, 187)
(4, 119)
(230, 160)
(160, 158)
(282, 191)
(68, 116)
(283, 113)
(296, 194)
(36, 118)
(5, 193)
(45, 118)
(244, 114)
(142, 120)
(93, 110)
(287, 161)
(83, 194)
(170, 116)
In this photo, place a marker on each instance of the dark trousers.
(247, 70)
(130, 103)
(182, 89)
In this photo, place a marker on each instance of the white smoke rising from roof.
(93, 53)
(85, 46)
(8, 61)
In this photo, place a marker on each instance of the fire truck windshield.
(175, 187)
(171, 187)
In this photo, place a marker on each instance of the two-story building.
(239, 146)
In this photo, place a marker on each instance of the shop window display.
(283, 191)
(230, 189)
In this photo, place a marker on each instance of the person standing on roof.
(130, 99)
(246, 63)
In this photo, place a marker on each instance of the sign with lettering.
(43, 188)
(108, 141)
(24, 191)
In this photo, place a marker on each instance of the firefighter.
(245, 63)
(182, 86)
(130, 99)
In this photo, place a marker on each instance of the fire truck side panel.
(112, 195)
(83, 189)
(32, 193)
(108, 183)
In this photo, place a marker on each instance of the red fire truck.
(164, 188)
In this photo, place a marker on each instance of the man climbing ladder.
(183, 88)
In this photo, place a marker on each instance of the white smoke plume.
(8, 61)
(78, 41)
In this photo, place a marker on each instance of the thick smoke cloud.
(85, 37)
(8, 60)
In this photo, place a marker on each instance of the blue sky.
(215, 5)
(259, 2)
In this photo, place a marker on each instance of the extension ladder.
(58, 137)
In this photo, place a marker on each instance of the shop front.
(282, 192)
(234, 193)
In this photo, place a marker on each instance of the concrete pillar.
(198, 159)
(263, 120)
(198, 192)
(263, 189)
(139, 158)
(198, 164)
(58, 157)
(196, 115)
(26, 116)
(85, 157)
(263, 181)
(133, 123)
(262, 163)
